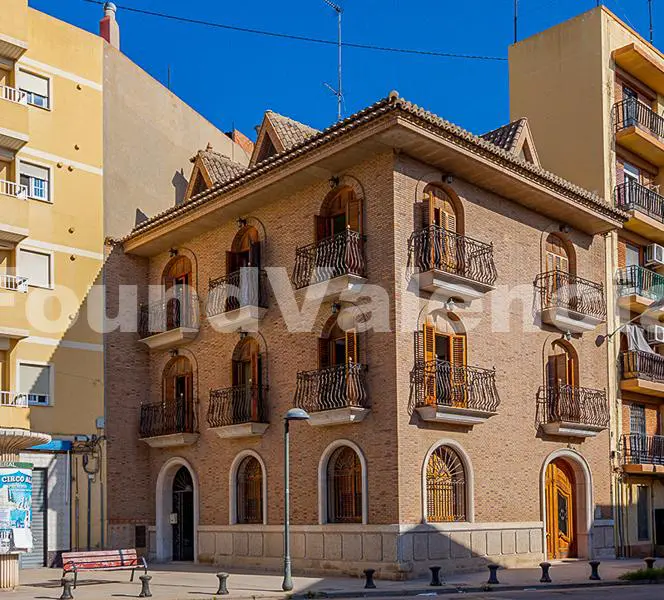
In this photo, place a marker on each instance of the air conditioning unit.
(654, 255)
(655, 334)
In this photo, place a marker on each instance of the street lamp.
(294, 414)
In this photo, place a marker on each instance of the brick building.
(449, 290)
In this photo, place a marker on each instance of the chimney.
(108, 26)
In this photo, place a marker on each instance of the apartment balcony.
(645, 208)
(169, 423)
(14, 128)
(14, 216)
(456, 395)
(642, 64)
(570, 303)
(13, 283)
(570, 411)
(642, 453)
(450, 264)
(642, 373)
(639, 129)
(237, 301)
(638, 288)
(14, 410)
(239, 411)
(335, 395)
(168, 323)
(13, 29)
(330, 266)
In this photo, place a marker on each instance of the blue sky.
(232, 77)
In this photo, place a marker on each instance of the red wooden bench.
(102, 560)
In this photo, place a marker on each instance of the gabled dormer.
(210, 169)
(277, 134)
(516, 138)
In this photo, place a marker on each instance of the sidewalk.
(193, 582)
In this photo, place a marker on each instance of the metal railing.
(638, 449)
(632, 113)
(436, 248)
(13, 95)
(8, 398)
(635, 364)
(441, 383)
(340, 254)
(572, 404)
(637, 280)
(238, 404)
(11, 188)
(165, 315)
(246, 287)
(338, 386)
(13, 283)
(175, 415)
(559, 289)
(631, 195)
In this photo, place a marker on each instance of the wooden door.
(441, 218)
(560, 511)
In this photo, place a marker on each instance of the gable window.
(37, 267)
(344, 486)
(35, 381)
(445, 486)
(37, 181)
(37, 89)
(249, 491)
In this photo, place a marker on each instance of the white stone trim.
(232, 487)
(54, 158)
(38, 245)
(470, 480)
(43, 341)
(31, 62)
(322, 481)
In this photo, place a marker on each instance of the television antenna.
(338, 92)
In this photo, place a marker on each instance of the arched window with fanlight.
(178, 396)
(341, 211)
(249, 491)
(247, 380)
(344, 486)
(177, 281)
(445, 486)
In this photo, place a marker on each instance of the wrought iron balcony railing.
(444, 384)
(436, 248)
(631, 195)
(339, 386)
(13, 283)
(175, 415)
(246, 287)
(566, 403)
(637, 280)
(635, 364)
(340, 254)
(559, 289)
(631, 113)
(166, 315)
(238, 404)
(638, 449)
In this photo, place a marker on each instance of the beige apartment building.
(430, 297)
(593, 92)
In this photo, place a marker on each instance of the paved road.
(637, 592)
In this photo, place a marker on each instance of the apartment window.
(35, 381)
(36, 88)
(36, 266)
(632, 255)
(632, 173)
(37, 180)
(642, 513)
(637, 419)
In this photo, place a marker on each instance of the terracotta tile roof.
(507, 136)
(290, 132)
(415, 114)
(220, 168)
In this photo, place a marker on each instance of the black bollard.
(545, 572)
(594, 574)
(66, 584)
(493, 574)
(650, 562)
(145, 586)
(435, 577)
(369, 573)
(223, 589)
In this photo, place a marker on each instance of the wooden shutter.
(353, 212)
(322, 227)
(620, 172)
(557, 370)
(189, 401)
(323, 353)
(255, 382)
(255, 254)
(459, 379)
(351, 346)
(448, 218)
(231, 262)
(169, 388)
(429, 345)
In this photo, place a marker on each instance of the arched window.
(245, 250)
(178, 395)
(341, 210)
(247, 380)
(344, 486)
(336, 346)
(440, 210)
(562, 367)
(559, 255)
(249, 491)
(177, 281)
(445, 486)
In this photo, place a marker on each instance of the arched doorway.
(182, 517)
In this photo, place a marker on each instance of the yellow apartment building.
(76, 119)
(592, 90)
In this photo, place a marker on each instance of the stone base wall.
(604, 545)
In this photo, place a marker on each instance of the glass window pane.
(36, 266)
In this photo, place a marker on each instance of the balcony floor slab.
(171, 440)
(572, 429)
(453, 415)
(569, 320)
(644, 469)
(241, 430)
(245, 318)
(338, 416)
(452, 286)
(638, 385)
(331, 288)
(172, 338)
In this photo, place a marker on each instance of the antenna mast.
(650, 15)
(516, 20)
(339, 91)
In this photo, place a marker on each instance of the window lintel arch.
(237, 463)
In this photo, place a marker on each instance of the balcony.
(457, 395)
(13, 118)
(570, 303)
(330, 266)
(168, 323)
(237, 301)
(642, 372)
(642, 453)
(645, 208)
(239, 411)
(569, 411)
(638, 288)
(14, 410)
(13, 283)
(169, 423)
(450, 264)
(640, 129)
(335, 395)
(13, 213)
(642, 64)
